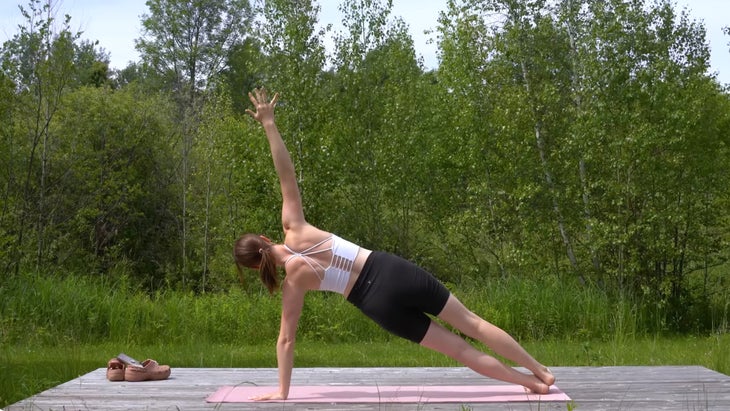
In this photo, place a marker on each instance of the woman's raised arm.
(292, 213)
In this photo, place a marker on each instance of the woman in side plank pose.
(393, 292)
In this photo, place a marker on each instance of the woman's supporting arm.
(292, 303)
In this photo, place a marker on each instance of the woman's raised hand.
(264, 107)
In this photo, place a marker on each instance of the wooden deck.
(591, 388)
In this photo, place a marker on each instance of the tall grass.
(53, 310)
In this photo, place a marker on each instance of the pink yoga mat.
(392, 394)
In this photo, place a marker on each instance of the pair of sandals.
(125, 368)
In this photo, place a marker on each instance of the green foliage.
(38, 62)
(187, 41)
(115, 179)
(572, 140)
(601, 154)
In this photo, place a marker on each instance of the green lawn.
(25, 371)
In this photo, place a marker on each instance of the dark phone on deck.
(129, 360)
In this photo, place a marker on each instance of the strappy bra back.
(337, 274)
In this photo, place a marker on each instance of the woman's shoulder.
(304, 236)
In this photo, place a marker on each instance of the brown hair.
(253, 251)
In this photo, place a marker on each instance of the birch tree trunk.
(577, 87)
(539, 138)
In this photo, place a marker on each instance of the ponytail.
(252, 251)
(267, 269)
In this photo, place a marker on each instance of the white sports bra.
(338, 273)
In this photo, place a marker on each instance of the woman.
(395, 293)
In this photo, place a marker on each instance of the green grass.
(48, 310)
(25, 371)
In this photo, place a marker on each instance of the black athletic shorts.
(398, 294)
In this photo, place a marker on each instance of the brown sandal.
(150, 371)
(115, 370)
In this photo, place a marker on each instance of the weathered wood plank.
(591, 388)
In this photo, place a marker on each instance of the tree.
(246, 70)
(187, 43)
(375, 71)
(475, 223)
(503, 62)
(114, 192)
(91, 65)
(39, 62)
(8, 160)
(295, 58)
(609, 92)
(189, 40)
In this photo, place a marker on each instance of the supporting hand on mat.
(269, 396)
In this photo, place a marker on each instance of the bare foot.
(546, 376)
(537, 387)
